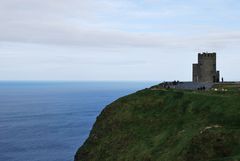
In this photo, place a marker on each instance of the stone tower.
(205, 71)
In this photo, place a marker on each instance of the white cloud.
(80, 23)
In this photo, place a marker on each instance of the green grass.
(167, 125)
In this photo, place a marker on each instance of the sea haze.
(48, 121)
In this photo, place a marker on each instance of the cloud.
(65, 34)
(92, 23)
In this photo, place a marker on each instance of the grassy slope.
(167, 125)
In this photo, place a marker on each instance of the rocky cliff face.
(166, 125)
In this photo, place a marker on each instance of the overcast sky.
(139, 40)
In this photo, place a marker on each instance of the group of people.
(203, 88)
(168, 85)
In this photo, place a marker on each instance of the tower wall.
(195, 72)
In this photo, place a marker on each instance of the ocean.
(49, 121)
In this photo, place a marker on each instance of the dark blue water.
(48, 121)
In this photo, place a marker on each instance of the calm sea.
(48, 121)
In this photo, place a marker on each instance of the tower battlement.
(206, 55)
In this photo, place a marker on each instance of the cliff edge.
(167, 125)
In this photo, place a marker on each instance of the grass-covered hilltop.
(158, 124)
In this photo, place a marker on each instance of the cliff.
(167, 125)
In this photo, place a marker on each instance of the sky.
(116, 40)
